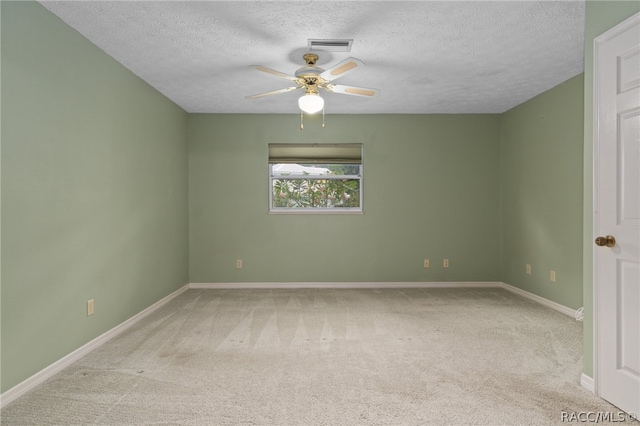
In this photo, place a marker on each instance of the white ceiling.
(423, 56)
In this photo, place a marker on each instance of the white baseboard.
(39, 378)
(386, 284)
(587, 383)
(541, 300)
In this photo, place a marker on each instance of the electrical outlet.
(527, 269)
(89, 307)
(238, 263)
(445, 263)
(552, 276)
(426, 264)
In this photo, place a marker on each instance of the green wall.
(431, 190)
(541, 185)
(94, 192)
(600, 17)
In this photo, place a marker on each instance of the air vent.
(330, 45)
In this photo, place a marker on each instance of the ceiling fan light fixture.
(311, 103)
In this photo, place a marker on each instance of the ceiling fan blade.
(274, 72)
(351, 90)
(275, 92)
(341, 68)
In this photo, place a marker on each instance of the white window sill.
(316, 211)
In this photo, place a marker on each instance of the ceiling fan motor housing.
(310, 75)
(308, 72)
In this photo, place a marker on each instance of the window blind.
(315, 153)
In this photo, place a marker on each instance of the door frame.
(596, 285)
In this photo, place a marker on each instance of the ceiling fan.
(311, 78)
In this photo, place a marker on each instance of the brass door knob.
(608, 241)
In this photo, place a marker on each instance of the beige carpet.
(327, 357)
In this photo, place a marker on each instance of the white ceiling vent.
(330, 45)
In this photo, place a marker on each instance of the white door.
(617, 214)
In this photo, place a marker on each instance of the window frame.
(320, 160)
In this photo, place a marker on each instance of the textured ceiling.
(423, 56)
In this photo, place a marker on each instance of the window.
(315, 178)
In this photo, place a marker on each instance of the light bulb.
(311, 103)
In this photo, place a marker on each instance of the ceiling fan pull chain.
(323, 117)
(301, 121)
